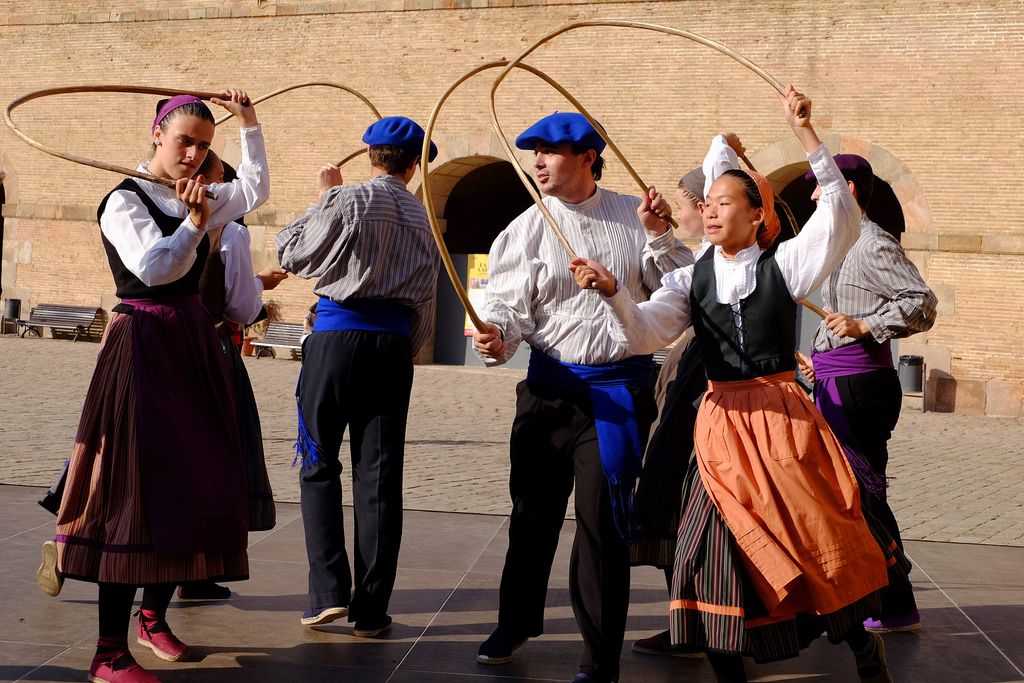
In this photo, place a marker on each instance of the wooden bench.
(65, 321)
(283, 336)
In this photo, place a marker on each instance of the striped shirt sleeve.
(908, 305)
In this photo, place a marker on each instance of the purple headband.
(172, 104)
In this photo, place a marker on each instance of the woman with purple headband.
(155, 494)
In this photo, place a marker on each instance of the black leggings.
(115, 605)
(727, 668)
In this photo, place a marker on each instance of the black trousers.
(362, 381)
(554, 445)
(872, 401)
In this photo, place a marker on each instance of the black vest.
(131, 287)
(769, 323)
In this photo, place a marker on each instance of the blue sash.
(371, 315)
(618, 437)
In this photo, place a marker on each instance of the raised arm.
(662, 252)
(810, 257)
(307, 246)
(722, 156)
(252, 186)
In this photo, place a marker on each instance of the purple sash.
(852, 359)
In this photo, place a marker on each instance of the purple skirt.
(155, 489)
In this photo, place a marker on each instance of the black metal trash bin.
(911, 374)
(12, 308)
(12, 311)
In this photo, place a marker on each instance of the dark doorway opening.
(478, 208)
(481, 205)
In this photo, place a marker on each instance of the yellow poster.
(476, 285)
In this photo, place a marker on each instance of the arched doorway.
(475, 199)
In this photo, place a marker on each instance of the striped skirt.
(155, 491)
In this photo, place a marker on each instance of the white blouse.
(804, 261)
(158, 260)
(243, 291)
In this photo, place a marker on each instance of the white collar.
(742, 258)
(588, 203)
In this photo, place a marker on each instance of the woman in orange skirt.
(774, 547)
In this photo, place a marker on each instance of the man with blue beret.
(371, 247)
(583, 412)
(874, 296)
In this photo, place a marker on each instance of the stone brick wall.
(935, 85)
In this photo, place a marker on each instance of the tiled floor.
(972, 600)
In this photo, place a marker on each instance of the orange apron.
(781, 481)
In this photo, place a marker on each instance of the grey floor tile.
(18, 659)
(21, 512)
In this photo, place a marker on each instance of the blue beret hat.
(852, 166)
(560, 128)
(398, 131)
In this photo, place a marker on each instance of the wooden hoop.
(103, 166)
(771, 80)
(428, 200)
(147, 90)
(311, 84)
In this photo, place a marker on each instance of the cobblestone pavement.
(956, 478)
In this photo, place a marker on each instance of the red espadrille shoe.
(155, 634)
(118, 667)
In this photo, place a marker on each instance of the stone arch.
(784, 161)
(458, 155)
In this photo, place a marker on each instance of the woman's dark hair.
(865, 184)
(392, 158)
(596, 168)
(751, 192)
(749, 187)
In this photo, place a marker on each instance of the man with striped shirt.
(371, 247)
(565, 431)
(875, 295)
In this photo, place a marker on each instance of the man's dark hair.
(596, 168)
(393, 159)
(865, 184)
